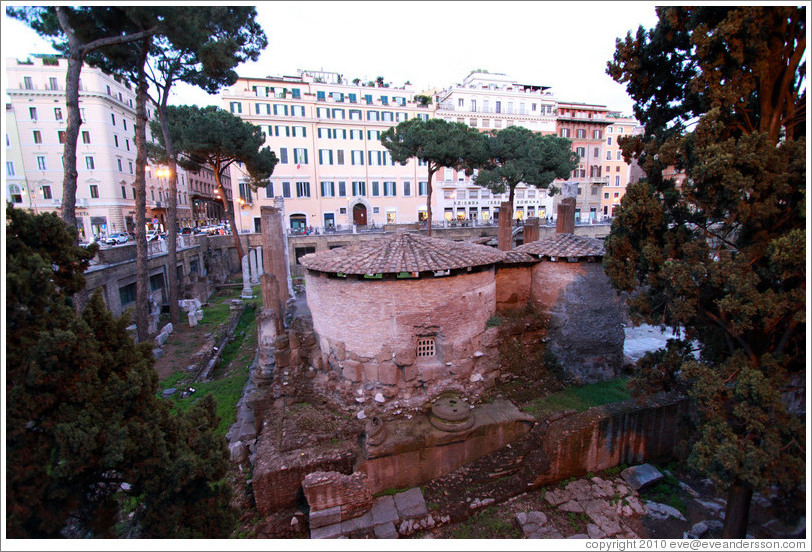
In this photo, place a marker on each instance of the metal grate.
(425, 347)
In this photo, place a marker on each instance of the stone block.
(282, 358)
(168, 328)
(639, 476)
(386, 531)
(405, 356)
(409, 372)
(370, 370)
(384, 355)
(352, 370)
(161, 339)
(388, 373)
(360, 523)
(157, 353)
(410, 504)
(384, 511)
(192, 317)
(323, 518)
(338, 349)
(328, 532)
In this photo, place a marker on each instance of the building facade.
(333, 171)
(491, 102)
(105, 156)
(619, 173)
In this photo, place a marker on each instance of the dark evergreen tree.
(721, 92)
(85, 428)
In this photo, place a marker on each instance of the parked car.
(115, 239)
(186, 231)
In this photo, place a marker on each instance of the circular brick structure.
(403, 316)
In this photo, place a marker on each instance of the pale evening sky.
(565, 45)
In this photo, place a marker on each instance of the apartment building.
(332, 170)
(586, 125)
(105, 156)
(619, 173)
(493, 101)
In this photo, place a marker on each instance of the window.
(597, 134)
(608, 155)
(124, 123)
(58, 113)
(286, 189)
(609, 140)
(89, 163)
(321, 96)
(565, 133)
(46, 192)
(85, 137)
(15, 193)
(581, 152)
(423, 188)
(10, 168)
(407, 188)
(580, 133)
(127, 143)
(498, 107)
(390, 189)
(283, 155)
(300, 156)
(113, 118)
(619, 155)
(27, 83)
(120, 167)
(94, 191)
(373, 115)
(235, 107)
(53, 83)
(473, 105)
(41, 165)
(609, 129)
(130, 163)
(376, 190)
(359, 188)
(342, 189)
(124, 192)
(126, 294)
(339, 157)
(303, 189)
(617, 168)
(617, 180)
(328, 189)
(37, 137)
(425, 347)
(325, 157)
(269, 190)
(299, 131)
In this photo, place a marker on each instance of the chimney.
(531, 230)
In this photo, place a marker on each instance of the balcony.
(602, 180)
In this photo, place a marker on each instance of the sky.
(564, 45)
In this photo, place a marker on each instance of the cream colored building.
(493, 101)
(105, 155)
(616, 168)
(333, 171)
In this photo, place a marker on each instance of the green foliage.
(581, 398)
(82, 415)
(493, 321)
(392, 491)
(721, 92)
(423, 100)
(666, 491)
(517, 154)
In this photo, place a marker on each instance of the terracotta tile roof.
(401, 252)
(514, 256)
(564, 245)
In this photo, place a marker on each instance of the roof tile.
(564, 245)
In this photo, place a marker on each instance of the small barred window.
(425, 347)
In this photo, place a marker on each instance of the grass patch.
(580, 398)
(493, 321)
(666, 491)
(392, 491)
(487, 524)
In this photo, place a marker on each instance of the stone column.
(531, 230)
(246, 279)
(274, 250)
(505, 227)
(260, 267)
(565, 222)
(254, 265)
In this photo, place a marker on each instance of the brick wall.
(512, 287)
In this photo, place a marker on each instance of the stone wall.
(512, 287)
(368, 332)
(607, 436)
(584, 318)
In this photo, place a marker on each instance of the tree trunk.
(511, 194)
(171, 216)
(229, 214)
(738, 510)
(428, 201)
(74, 120)
(142, 269)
